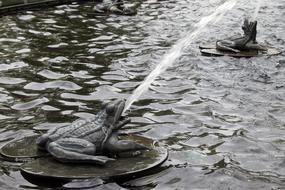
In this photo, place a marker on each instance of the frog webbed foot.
(75, 150)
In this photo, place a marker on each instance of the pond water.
(221, 118)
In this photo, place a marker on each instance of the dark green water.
(221, 118)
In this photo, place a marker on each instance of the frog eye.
(110, 109)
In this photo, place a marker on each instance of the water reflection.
(222, 119)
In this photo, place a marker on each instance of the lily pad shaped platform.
(42, 167)
(210, 50)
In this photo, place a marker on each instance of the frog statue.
(247, 42)
(116, 7)
(87, 141)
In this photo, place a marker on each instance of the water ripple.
(11, 80)
(14, 65)
(30, 105)
(50, 74)
(64, 85)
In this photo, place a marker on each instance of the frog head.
(114, 111)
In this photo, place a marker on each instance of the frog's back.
(86, 129)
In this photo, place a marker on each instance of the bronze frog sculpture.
(116, 7)
(87, 140)
(246, 42)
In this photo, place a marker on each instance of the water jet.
(177, 49)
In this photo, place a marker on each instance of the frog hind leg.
(114, 145)
(75, 150)
(226, 45)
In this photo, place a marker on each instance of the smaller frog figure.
(116, 7)
(246, 42)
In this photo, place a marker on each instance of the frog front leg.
(75, 150)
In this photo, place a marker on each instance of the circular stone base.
(125, 166)
(210, 50)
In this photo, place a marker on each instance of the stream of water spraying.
(256, 10)
(177, 49)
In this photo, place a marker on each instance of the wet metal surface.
(221, 118)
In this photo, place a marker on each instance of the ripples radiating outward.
(222, 119)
